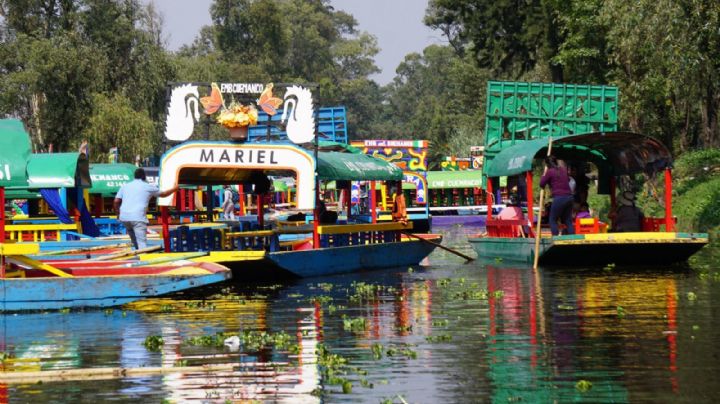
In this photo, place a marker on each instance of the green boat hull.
(579, 250)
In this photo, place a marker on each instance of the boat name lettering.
(110, 177)
(242, 88)
(516, 162)
(5, 173)
(456, 184)
(248, 156)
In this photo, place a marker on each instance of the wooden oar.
(127, 253)
(448, 249)
(539, 216)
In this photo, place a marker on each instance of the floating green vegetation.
(321, 299)
(439, 338)
(362, 291)
(200, 304)
(295, 295)
(695, 327)
(609, 267)
(270, 287)
(249, 340)
(180, 363)
(498, 259)
(691, 296)
(153, 343)
(404, 328)
(620, 312)
(333, 308)
(410, 270)
(108, 312)
(440, 323)
(326, 287)
(565, 307)
(347, 387)
(444, 282)
(167, 308)
(377, 351)
(356, 325)
(583, 386)
(365, 383)
(402, 351)
(333, 369)
(65, 310)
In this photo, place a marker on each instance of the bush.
(699, 206)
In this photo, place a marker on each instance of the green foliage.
(114, 122)
(153, 343)
(699, 207)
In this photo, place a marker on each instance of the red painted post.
(316, 235)
(260, 209)
(191, 199)
(165, 219)
(348, 204)
(669, 222)
(241, 192)
(373, 202)
(529, 194)
(182, 200)
(489, 199)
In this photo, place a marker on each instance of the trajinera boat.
(615, 154)
(580, 125)
(256, 247)
(28, 282)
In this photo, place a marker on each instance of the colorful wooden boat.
(28, 284)
(334, 248)
(615, 154)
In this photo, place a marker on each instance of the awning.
(58, 170)
(108, 178)
(454, 179)
(356, 167)
(616, 153)
(15, 146)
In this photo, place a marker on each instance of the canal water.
(445, 332)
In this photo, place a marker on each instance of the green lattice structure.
(520, 111)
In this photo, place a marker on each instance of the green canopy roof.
(108, 178)
(15, 146)
(615, 153)
(356, 167)
(454, 179)
(58, 170)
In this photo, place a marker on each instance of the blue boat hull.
(21, 294)
(335, 260)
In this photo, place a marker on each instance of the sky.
(397, 25)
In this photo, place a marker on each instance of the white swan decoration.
(300, 114)
(182, 113)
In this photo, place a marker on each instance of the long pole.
(540, 212)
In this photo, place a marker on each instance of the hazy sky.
(397, 25)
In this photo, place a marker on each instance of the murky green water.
(447, 332)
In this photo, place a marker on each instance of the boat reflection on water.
(478, 332)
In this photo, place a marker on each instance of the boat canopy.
(356, 167)
(58, 170)
(454, 179)
(15, 143)
(108, 178)
(614, 153)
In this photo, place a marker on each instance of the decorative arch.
(215, 159)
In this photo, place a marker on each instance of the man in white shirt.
(131, 204)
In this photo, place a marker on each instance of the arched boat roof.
(614, 153)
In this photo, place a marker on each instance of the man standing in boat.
(131, 203)
(557, 177)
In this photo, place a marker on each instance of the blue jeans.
(138, 234)
(562, 209)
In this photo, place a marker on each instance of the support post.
(2, 230)
(373, 202)
(260, 209)
(529, 194)
(489, 198)
(669, 222)
(348, 203)
(165, 219)
(241, 202)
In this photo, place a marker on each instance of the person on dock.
(131, 203)
(556, 175)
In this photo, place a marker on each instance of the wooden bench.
(506, 228)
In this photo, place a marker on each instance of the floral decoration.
(238, 115)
